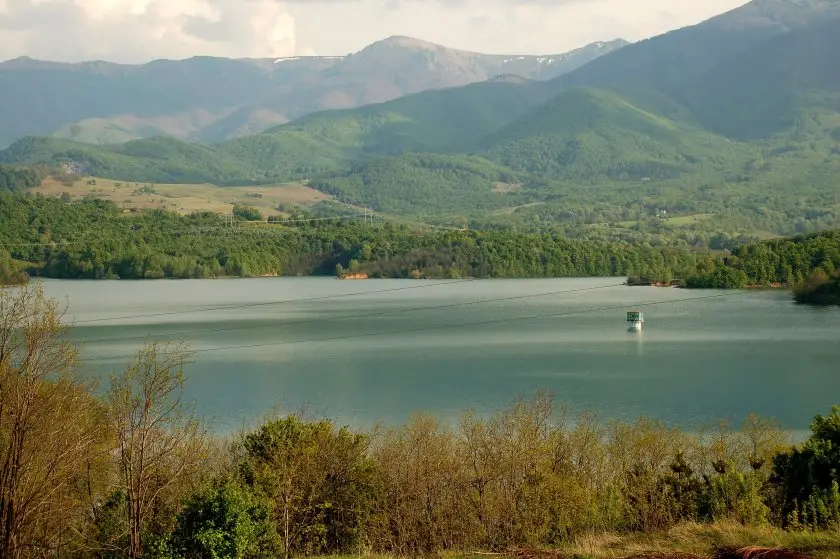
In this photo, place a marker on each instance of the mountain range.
(211, 99)
(736, 117)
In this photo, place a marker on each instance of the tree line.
(15, 179)
(796, 262)
(128, 471)
(94, 239)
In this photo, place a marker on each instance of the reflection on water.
(378, 350)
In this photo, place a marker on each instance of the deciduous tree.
(51, 429)
(159, 440)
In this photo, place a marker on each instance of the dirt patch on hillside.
(506, 187)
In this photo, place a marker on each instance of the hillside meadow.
(184, 198)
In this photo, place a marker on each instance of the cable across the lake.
(423, 329)
(354, 315)
(270, 303)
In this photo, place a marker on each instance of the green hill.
(152, 159)
(437, 121)
(766, 89)
(585, 134)
(666, 63)
(423, 184)
(441, 121)
(97, 131)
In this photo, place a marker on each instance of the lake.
(378, 350)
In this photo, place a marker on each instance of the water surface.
(378, 350)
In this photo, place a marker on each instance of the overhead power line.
(57, 244)
(355, 315)
(421, 329)
(270, 303)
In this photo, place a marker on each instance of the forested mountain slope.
(770, 87)
(666, 63)
(586, 134)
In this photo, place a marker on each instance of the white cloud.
(139, 30)
(494, 26)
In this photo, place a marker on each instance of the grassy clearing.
(681, 221)
(766, 235)
(514, 209)
(187, 198)
(505, 187)
(698, 539)
(702, 539)
(685, 220)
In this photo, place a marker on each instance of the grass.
(188, 198)
(504, 187)
(701, 539)
(680, 221)
(698, 539)
(514, 209)
(687, 220)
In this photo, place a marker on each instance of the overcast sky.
(141, 30)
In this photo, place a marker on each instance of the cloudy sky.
(141, 30)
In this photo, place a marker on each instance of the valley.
(595, 153)
(599, 296)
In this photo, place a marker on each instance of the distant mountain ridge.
(208, 99)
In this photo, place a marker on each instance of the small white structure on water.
(635, 320)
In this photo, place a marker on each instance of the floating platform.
(635, 321)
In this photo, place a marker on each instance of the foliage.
(809, 476)
(319, 480)
(793, 261)
(158, 441)
(224, 521)
(52, 433)
(92, 239)
(435, 184)
(529, 475)
(248, 213)
(10, 272)
(17, 178)
(723, 277)
(585, 135)
(159, 159)
(820, 289)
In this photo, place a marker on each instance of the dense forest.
(15, 179)
(129, 471)
(94, 239)
(794, 261)
(820, 289)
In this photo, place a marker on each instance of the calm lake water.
(378, 350)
